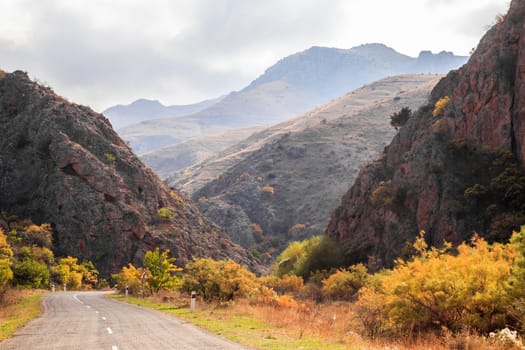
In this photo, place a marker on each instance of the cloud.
(107, 52)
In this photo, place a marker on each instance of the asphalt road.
(88, 320)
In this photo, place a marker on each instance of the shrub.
(165, 214)
(284, 284)
(257, 228)
(38, 235)
(129, 277)
(110, 158)
(345, 283)
(161, 270)
(30, 273)
(400, 118)
(304, 258)
(222, 280)
(297, 227)
(437, 289)
(440, 105)
(268, 189)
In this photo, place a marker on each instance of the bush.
(284, 284)
(304, 258)
(161, 270)
(440, 106)
(30, 273)
(222, 280)
(400, 118)
(437, 289)
(268, 189)
(164, 213)
(129, 277)
(38, 235)
(345, 283)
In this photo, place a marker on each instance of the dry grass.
(18, 307)
(305, 325)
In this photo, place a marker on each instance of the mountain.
(61, 163)
(143, 109)
(294, 85)
(282, 183)
(171, 159)
(456, 167)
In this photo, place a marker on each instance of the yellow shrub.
(268, 189)
(297, 227)
(257, 228)
(440, 105)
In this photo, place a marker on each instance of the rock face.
(282, 183)
(63, 164)
(450, 172)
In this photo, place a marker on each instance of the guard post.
(64, 287)
(126, 291)
(53, 287)
(192, 301)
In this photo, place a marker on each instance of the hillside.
(294, 85)
(64, 165)
(282, 183)
(171, 159)
(144, 109)
(456, 167)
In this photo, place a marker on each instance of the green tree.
(30, 273)
(161, 270)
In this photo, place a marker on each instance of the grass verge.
(21, 307)
(240, 324)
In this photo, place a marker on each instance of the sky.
(105, 52)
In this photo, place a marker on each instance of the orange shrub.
(268, 189)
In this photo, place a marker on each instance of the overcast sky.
(105, 52)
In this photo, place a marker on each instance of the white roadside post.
(192, 301)
(126, 291)
(64, 287)
(53, 287)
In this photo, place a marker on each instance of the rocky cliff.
(63, 164)
(456, 167)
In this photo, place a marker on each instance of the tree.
(6, 274)
(161, 270)
(398, 119)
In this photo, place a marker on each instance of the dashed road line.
(109, 330)
(104, 318)
(114, 347)
(76, 298)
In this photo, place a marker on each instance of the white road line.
(104, 318)
(109, 330)
(76, 298)
(114, 347)
(96, 312)
(89, 307)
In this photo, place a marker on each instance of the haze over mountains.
(292, 86)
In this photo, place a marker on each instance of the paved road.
(88, 320)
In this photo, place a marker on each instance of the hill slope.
(288, 178)
(294, 85)
(450, 171)
(63, 164)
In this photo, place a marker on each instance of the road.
(90, 321)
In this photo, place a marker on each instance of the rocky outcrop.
(450, 171)
(63, 164)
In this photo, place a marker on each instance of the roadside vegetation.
(28, 268)
(467, 297)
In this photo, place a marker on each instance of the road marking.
(89, 307)
(109, 330)
(96, 312)
(76, 298)
(114, 347)
(103, 318)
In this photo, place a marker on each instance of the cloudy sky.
(105, 52)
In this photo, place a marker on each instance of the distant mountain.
(282, 183)
(62, 164)
(143, 109)
(456, 168)
(170, 159)
(294, 85)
